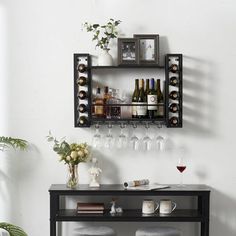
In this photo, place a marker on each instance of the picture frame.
(128, 51)
(149, 53)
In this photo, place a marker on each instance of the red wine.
(174, 121)
(174, 81)
(181, 168)
(83, 120)
(174, 107)
(82, 94)
(174, 68)
(82, 108)
(82, 81)
(174, 95)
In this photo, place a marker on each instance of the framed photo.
(148, 48)
(128, 51)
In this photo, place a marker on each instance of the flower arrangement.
(73, 153)
(102, 34)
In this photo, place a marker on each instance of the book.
(90, 212)
(148, 187)
(90, 206)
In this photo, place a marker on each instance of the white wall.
(38, 39)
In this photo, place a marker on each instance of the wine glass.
(134, 140)
(181, 166)
(147, 141)
(109, 139)
(96, 142)
(159, 139)
(122, 139)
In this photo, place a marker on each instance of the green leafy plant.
(102, 34)
(73, 153)
(13, 230)
(6, 142)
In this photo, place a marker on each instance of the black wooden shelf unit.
(89, 120)
(200, 214)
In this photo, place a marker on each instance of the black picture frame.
(128, 51)
(149, 53)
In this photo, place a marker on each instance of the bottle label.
(99, 109)
(152, 100)
(134, 109)
(142, 110)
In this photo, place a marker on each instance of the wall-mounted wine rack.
(83, 93)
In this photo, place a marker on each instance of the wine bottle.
(142, 101)
(135, 100)
(174, 121)
(82, 95)
(82, 68)
(160, 100)
(152, 101)
(83, 120)
(174, 95)
(82, 81)
(174, 68)
(82, 108)
(106, 97)
(147, 87)
(174, 81)
(99, 104)
(174, 107)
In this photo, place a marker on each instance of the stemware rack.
(167, 119)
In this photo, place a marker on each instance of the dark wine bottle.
(142, 101)
(174, 68)
(147, 87)
(174, 81)
(160, 100)
(82, 68)
(174, 107)
(152, 101)
(82, 95)
(135, 100)
(82, 108)
(99, 104)
(83, 120)
(82, 81)
(174, 95)
(174, 121)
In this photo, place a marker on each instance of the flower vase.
(105, 58)
(72, 176)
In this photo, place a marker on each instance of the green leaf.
(13, 230)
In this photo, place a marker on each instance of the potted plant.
(7, 142)
(103, 34)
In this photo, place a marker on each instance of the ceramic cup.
(167, 206)
(149, 206)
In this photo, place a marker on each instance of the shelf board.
(182, 215)
(128, 67)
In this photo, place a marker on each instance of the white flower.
(80, 153)
(68, 158)
(74, 154)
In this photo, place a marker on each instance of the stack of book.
(90, 208)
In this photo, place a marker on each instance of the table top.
(119, 188)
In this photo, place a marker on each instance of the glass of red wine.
(181, 166)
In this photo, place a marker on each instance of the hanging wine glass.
(96, 141)
(147, 141)
(134, 140)
(160, 141)
(109, 139)
(122, 138)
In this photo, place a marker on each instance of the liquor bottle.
(174, 81)
(113, 111)
(135, 99)
(99, 104)
(82, 68)
(174, 121)
(160, 100)
(83, 120)
(142, 101)
(173, 68)
(174, 107)
(106, 96)
(82, 81)
(82, 108)
(174, 95)
(152, 100)
(82, 95)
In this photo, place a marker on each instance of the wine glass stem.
(181, 178)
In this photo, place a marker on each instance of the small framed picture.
(128, 51)
(148, 48)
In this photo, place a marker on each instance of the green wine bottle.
(142, 101)
(160, 100)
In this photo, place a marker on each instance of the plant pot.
(105, 58)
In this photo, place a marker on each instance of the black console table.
(201, 214)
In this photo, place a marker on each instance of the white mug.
(149, 207)
(167, 206)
